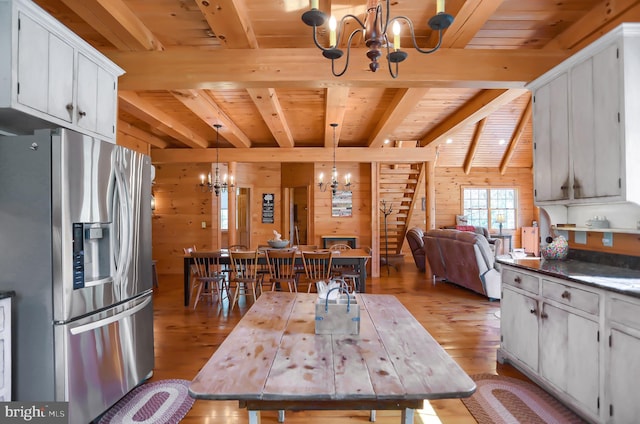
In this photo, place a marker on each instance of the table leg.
(407, 416)
(187, 275)
(363, 275)
(254, 417)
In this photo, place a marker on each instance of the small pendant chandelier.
(334, 184)
(216, 185)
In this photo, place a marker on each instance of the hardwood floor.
(464, 323)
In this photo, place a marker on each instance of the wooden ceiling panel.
(504, 37)
(237, 104)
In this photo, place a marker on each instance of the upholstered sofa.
(416, 244)
(464, 258)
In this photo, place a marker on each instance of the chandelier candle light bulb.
(396, 35)
(439, 6)
(332, 34)
(314, 4)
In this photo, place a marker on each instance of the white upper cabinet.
(50, 77)
(586, 130)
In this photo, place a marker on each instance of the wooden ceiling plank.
(229, 21)
(206, 109)
(117, 23)
(271, 111)
(295, 154)
(403, 103)
(473, 146)
(479, 107)
(471, 17)
(517, 135)
(602, 18)
(335, 109)
(127, 128)
(146, 111)
(305, 68)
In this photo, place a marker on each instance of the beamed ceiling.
(251, 66)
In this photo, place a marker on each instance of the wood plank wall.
(180, 210)
(448, 186)
(181, 207)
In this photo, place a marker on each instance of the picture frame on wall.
(342, 203)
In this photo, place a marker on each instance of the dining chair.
(348, 273)
(211, 281)
(193, 269)
(282, 269)
(351, 273)
(317, 267)
(244, 274)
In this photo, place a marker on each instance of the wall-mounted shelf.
(599, 230)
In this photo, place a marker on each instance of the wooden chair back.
(244, 265)
(340, 246)
(317, 266)
(282, 267)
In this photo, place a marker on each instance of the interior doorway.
(299, 215)
(243, 216)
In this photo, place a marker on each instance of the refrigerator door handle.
(106, 321)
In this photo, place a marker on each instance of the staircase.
(397, 187)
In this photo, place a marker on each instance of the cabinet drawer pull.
(517, 280)
(566, 295)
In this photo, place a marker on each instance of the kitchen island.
(573, 327)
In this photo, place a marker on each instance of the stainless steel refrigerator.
(75, 246)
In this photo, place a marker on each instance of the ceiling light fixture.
(216, 186)
(334, 172)
(374, 31)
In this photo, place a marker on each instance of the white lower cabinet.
(5, 349)
(623, 359)
(552, 331)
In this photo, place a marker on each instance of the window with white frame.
(224, 210)
(489, 207)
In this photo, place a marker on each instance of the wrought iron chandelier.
(334, 184)
(216, 185)
(375, 34)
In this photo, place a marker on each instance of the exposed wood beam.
(128, 129)
(517, 135)
(473, 146)
(335, 108)
(117, 23)
(404, 102)
(201, 104)
(229, 21)
(148, 112)
(468, 21)
(479, 107)
(269, 107)
(605, 16)
(305, 68)
(300, 154)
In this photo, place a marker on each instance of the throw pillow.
(461, 220)
(470, 228)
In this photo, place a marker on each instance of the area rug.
(499, 399)
(160, 402)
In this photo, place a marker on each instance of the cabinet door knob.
(517, 280)
(69, 107)
(566, 295)
(82, 113)
(544, 315)
(533, 310)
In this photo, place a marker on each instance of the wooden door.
(243, 210)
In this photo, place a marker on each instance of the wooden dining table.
(393, 363)
(352, 257)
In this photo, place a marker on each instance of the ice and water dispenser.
(91, 254)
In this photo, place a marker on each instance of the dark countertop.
(606, 277)
(5, 294)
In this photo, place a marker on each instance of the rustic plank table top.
(273, 360)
